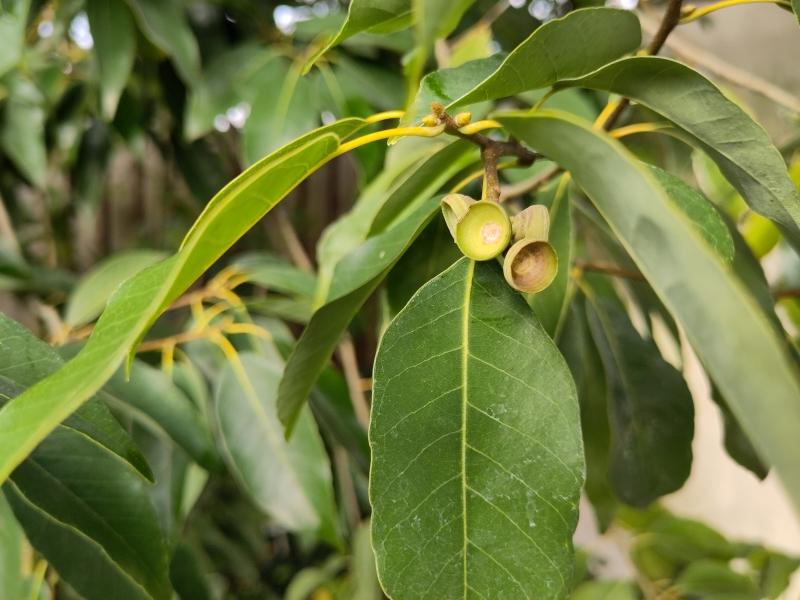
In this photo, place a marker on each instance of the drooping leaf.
(12, 32)
(717, 313)
(740, 147)
(164, 23)
(26, 420)
(650, 408)
(700, 211)
(550, 305)
(477, 461)
(356, 276)
(574, 45)
(95, 288)
(114, 35)
(294, 485)
(152, 394)
(25, 359)
(274, 273)
(91, 518)
(11, 549)
(735, 440)
(583, 358)
(22, 135)
(377, 16)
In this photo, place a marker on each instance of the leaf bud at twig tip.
(463, 118)
(437, 108)
(533, 224)
(430, 121)
(530, 266)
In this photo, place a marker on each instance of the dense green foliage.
(333, 402)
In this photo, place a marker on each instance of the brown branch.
(529, 185)
(786, 293)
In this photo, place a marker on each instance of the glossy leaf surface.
(133, 308)
(477, 455)
(574, 45)
(740, 146)
(717, 312)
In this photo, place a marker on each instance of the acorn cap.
(533, 223)
(484, 231)
(530, 266)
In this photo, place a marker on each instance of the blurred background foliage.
(119, 119)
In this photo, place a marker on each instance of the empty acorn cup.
(531, 264)
(481, 229)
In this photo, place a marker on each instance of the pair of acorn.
(482, 230)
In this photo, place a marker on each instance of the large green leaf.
(72, 487)
(720, 317)
(377, 16)
(357, 277)
(25, 359)
(28, 419)
(114, 36)
(12, 32)
(293, 485)
(650, 409)
(164, 23)
(477, 462)
(395, 223)
(583, 358)
(89, 297)
(574, 45)
(740, 147)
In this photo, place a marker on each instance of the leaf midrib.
(464, 404)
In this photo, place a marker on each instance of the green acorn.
(481, 229)
(531, 264)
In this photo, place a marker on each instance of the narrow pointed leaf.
(740, 146)
(12, 32)
(401, 218)
(22, 135)
(11, 549)
(25, 359)
(89, 297)
(294, 485)
(114, 35)
(572, 46)
(583, 358)
(717, 312)
(650, 409)
(28, 419)
(477, 461)
(164, 23)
